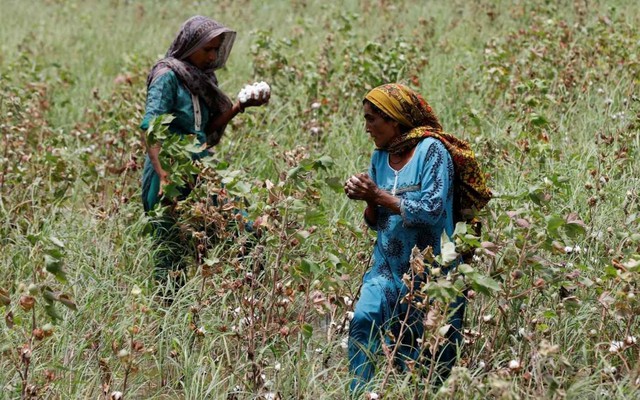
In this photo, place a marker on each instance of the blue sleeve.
(435, 189)
(161, 97)
(372, 175)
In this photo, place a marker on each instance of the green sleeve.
(161, 97)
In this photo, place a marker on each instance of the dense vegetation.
(548, 93)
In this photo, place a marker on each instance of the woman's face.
(206, 55)
(381, 130)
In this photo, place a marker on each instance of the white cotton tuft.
(616, 346)
(256, 91)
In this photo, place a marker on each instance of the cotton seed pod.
(123, 354)
(27, 302)
(47, 329)
(517, 274)
(25, 353)
(33, 289)
(38, 334)
(31, 391)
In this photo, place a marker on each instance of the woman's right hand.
(164, 180)
(251, 102)
(361, 187)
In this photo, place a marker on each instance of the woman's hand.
(361, 187)
(262, 99)
(164, 180)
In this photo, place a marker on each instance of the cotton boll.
(243, 96)
(263, 89)
(255, 91)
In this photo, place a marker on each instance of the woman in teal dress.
(412, 194)
(184, 84)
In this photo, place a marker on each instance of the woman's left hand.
(361, 187)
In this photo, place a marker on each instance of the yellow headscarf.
(409, 109)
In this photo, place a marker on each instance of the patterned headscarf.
(194, 34)
(413, 112)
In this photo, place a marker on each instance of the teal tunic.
(167, 95)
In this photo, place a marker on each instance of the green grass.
(538, 88)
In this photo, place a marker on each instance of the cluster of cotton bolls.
(256, 91)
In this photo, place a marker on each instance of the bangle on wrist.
(240, 107)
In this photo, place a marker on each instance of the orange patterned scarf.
(409, 109)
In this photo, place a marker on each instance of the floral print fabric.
(425, 188)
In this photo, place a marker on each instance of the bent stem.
(403, 325)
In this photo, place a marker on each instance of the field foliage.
(547, 92)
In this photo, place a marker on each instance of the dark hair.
(385, 116)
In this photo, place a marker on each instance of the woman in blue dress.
(413, 194)
(184, 84)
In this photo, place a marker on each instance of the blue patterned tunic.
(425, 188)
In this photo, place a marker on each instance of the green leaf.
(298, 205)
(333, 259)
(461, 229)
(633, 264)
(442, 290)
(303, 234)
(553, 223)
(538, 120)
(323, 162)
(54, 266)
(335, 184)
(195, 147)
(610, 271)
(33, 239)
(293, 172)
(49, 294)
(315, 217)
(51, 311)
(54, 252)
(307, 331)
(305, 266)
(484, 284)
(67, 301)
(57, 242)
(574, 229)
(240, 187)
(466, 269)
(171, 190)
